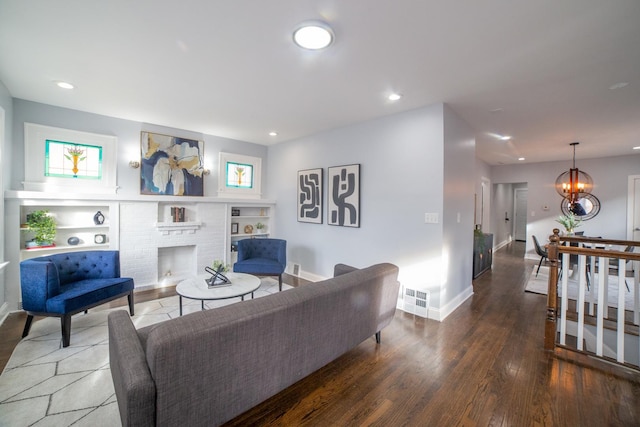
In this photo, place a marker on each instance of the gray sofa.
(206, 368)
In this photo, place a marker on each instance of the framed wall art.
(343, 200)
(171, 165)
(310, 196)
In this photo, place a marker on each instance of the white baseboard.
(310, 276)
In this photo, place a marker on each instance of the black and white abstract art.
(310, 196)
(343, 204)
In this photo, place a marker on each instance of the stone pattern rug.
(44, 384)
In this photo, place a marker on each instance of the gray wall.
(402, 177)
(610, 176)
(458, 221)
(128, 133)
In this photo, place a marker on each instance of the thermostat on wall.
(100, 238)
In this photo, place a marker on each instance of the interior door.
(520, 214)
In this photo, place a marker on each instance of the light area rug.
(44, 384)
(540, 284)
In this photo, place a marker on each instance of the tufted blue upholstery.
(67, 283)
(262, 257)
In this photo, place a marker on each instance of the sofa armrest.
(340, 269)
(134, 386)
(39, 281)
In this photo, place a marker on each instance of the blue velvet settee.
(64, 284)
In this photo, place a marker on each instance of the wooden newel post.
(552, 293)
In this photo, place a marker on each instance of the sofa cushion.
(74, 296)
(259, 265)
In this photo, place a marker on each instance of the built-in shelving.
(240, 217)
(72, 220)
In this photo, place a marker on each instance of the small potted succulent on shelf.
(261, 227)
(570, 222)
(43, 227)
(217, 263)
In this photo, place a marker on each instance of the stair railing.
(580, 314)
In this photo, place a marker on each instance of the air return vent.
(416, 301)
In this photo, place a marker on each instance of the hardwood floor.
(484, 365)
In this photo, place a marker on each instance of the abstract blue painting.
(171, 165)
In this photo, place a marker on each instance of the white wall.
(402, 178)
(610, 176)
(6, 104)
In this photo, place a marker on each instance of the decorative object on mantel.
(261, 227)
(570, 222)
(100, 239)
(248, 229)
(98, 218)
(171, 165)
(344, 196)
(178, 214)
(73, 240)
(43, 226)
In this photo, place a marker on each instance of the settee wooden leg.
(65, 322)
(131, 303)
(27, 325)
(280, 282)
(378, 337)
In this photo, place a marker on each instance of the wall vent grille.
(416, 302)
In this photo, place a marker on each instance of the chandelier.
(574, 184)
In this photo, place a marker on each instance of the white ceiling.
(229, 68)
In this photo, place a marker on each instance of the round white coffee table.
(196, 288)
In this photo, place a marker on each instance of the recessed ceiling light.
(637, 148)
(618, 85)
(313, 35)
(497, 110)
(505, 137)
(64, 85)
(520, 158)
(273, 133)
(394, 97)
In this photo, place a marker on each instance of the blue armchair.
(262, 257)
(62, 285)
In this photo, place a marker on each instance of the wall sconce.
(134, 164)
